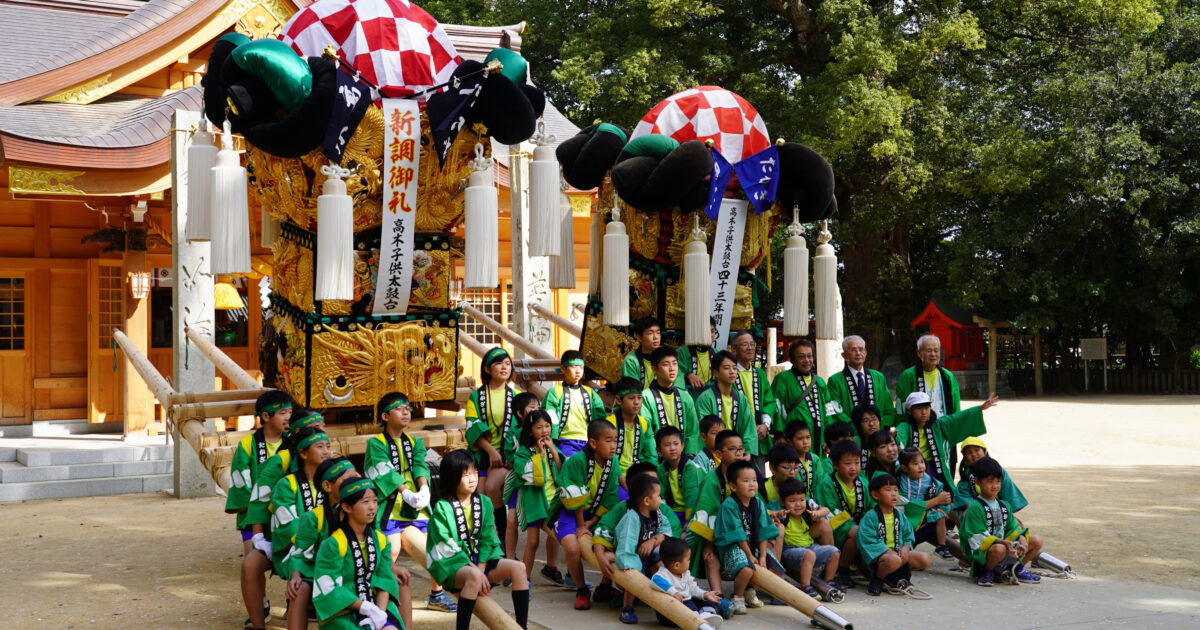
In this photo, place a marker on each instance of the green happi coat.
(695, 360)
(843, 391)
(605, 531)
(872, 542)
(983, 525)
(394, 464)
(289, 502)
(579, 491)
(634, 444)
(731, 531)
(448, 551)
(948, 431)
(710, 403)
(537, 489)
(249, 458)
(967, 491)
(629, 536)
(637, 365)
(501, 429)
(753, 384)
(334, 583)
(702, 524)
(843, 516)
(912, 380)
(258, 511)
(688, 477)
(793, 402)
(812, 468)
(569, 425)
(916, 508)
(312, 530)
(678, 410)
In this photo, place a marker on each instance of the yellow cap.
(972, 441)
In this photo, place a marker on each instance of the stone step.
(84, 487)
(15, 472)
(38, 456)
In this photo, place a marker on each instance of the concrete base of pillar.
(192, 480)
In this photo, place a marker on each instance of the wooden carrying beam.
(224, 364)
(504, 332)
(767, 581)
(640, 586)
(158, 385)
(486, 608)
(558, 320)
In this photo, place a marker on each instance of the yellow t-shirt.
(931, 379)
(548, 486)
(923, 444)
(272, 447)
(727, 411)
(796, 534)
(848, 493)
(627, 449)
(889, 533)
(676, 486)
(495, 416)
(771, 492)
(746, 378)
(466, 506)
(669, 409)
(575, 425)
(806, 381)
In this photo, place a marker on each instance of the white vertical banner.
(727, 255)
(402, 162)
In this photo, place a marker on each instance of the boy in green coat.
(722, 400)
(282, 463)
(858, 385)
(637, 364)
(680, 474)
(701, 527)
(812, 466)
(572, 406)
(800, 393)
(845, 494)
(635, 440)
(588, 492)
(695, 363)
(967, 490)
(638, 535)
(664, 404)
(604, 536)
(744, 532)
(936, 436)
(991, 533)
(885, 540)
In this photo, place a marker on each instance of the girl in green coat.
(726, 402)
(936, 436)
(353, 583)
(296, 494)
(536, 464)
(463, 548)
(491, 429)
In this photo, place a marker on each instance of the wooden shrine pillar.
(530, 274)
(139, 402)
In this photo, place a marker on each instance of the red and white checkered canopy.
(394, 44)
(705, 112)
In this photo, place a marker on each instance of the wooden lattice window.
(488, 301)
(12, 313)
(109, 310)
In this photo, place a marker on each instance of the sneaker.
(1022, 574)
(604, 591)
(713, 619)
(627, 615)
(552, 574)
(774, 601)
(617, 600)
(811, 591)
(569, 582)
(583, 599)
(249, 625)
(843, 580)
(752, 600)
(725, 608)
(987, 579)
(944, 552)
(875, 588)
(739, 605)
(441, 602)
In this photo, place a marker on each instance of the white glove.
(261, 543)
(375, 618)
(766, 419)
(410, 497)
(422, 498)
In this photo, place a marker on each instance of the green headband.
(279, 406)
(312, 439)
(621, 393)
(306, 421)
(495, 355)
(336, 470)
(402, 401)
(361, 484)
(573, 363)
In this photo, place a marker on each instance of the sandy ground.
(1111, 483)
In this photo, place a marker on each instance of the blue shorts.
(570, 447)
(622, 494)
(247, 534)
(793, 557)
(395, 527)
(566, 525)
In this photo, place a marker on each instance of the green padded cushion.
(515, 65)
(613, 129)
(285, 73)
(652, 145)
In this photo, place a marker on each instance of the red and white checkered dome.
(394, 44)
(705, 112)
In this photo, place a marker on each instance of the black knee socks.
(465, 608)
(521, 607)
(500, 515)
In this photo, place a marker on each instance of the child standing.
(924, 501)
(799, 551)
(722, 400)
(639, 534)
(991, 533)
(675, 579)
(536, 463)
(572, 405)
(463, 547)
(353, 585)
(281, 463)
(664, 404)
(845, 494)
(742, 522)
(489, 416)
(885, 540)
(296, 493)
(588, 491)
(395, 461)
(635, 440)
(935, 436)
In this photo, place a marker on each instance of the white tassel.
(562, 266)
(335, 238)
(795, 282)
(616, 272)
(595, 253)
(697, 301)
(825, 285)
(481, 224)
(270, 230)
(231, 212)
(544, 178)
(201, 157)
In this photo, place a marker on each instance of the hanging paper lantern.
(225, 295)
(825, 286)
(544, 189)
(201, 157)
(231, 211)
(616, 272)
(562, 266)
(697, 302)
(335, 238)
(795, 283)
(481, 225)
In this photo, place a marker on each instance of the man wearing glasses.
(857, 385)
(752, 382)
(929, 377)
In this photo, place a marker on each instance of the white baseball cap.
(916, 398)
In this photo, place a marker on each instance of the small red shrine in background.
(961, 336)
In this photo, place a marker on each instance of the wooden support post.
(182, 398)
(225, 365)
(139, 404)
(520, 342)
(557, 320)
(639, 585)
(992, 343)
(486, 608)
(1037, 363)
